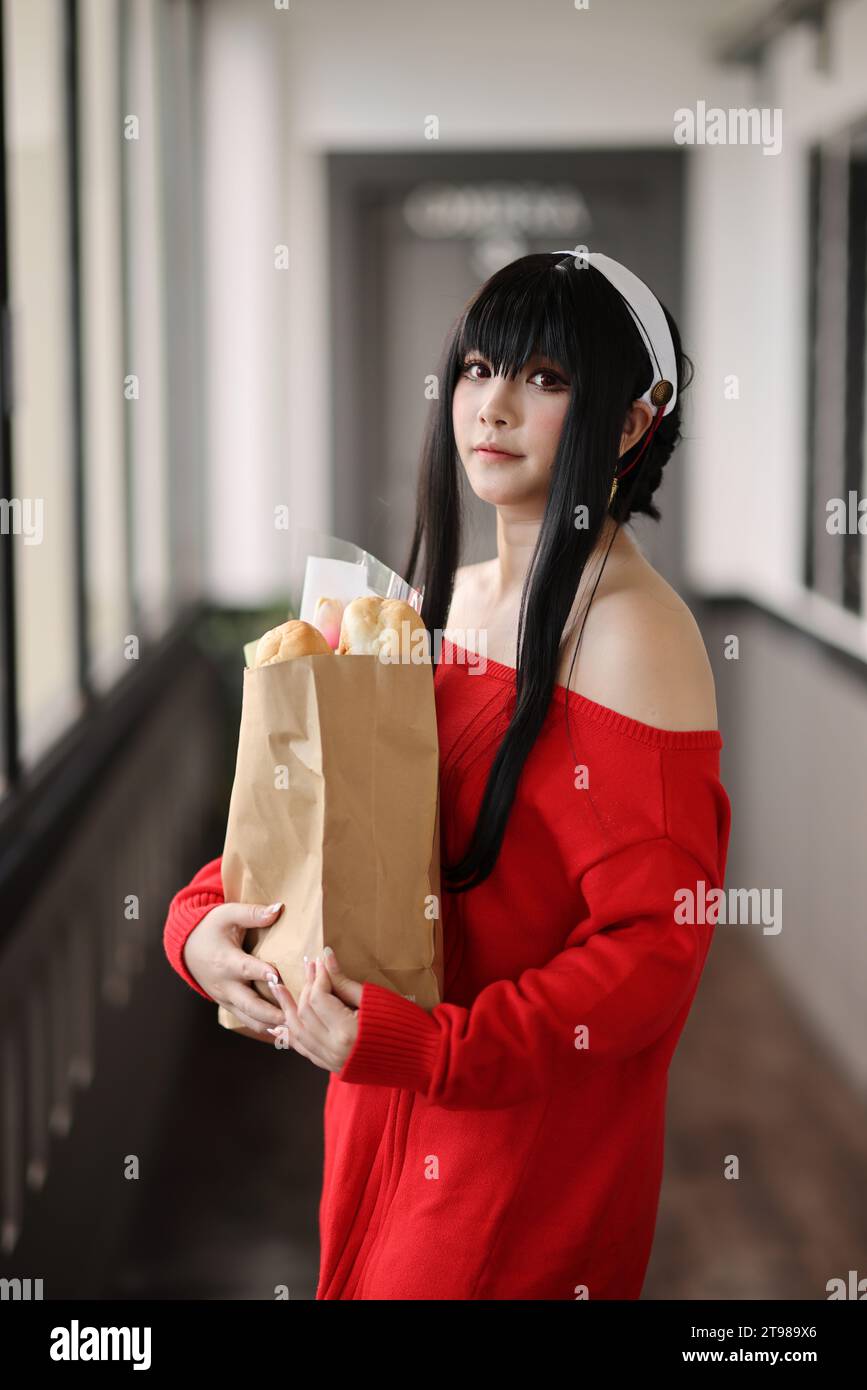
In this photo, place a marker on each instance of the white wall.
(246, 299)
(747, 279)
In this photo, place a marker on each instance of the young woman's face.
(523, 416)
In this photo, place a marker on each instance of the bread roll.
(289, 640)
(327, 618)
(372, 624)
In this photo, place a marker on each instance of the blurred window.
(835, 540)
(101, 350)
(39, 271)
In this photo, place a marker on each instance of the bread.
(326, 618)
(371, 624)
(290, 640)
(368, 626)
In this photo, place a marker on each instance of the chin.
(505, 482)
(504, 495)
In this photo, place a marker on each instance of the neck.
(516, 540)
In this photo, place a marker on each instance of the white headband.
(650, 321)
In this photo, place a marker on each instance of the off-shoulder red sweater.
(509, 1144)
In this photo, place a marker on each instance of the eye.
(554, 382)
(470, 362)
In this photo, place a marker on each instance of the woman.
(509, 1144)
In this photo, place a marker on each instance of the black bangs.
(522, 311)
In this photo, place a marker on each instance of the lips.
(496, 452)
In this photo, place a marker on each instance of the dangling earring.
(613, 493)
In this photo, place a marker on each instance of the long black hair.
(575, 317)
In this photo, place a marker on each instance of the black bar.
(213, 1340)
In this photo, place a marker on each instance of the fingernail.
(328, 951)
(273, 907)
(305, 960)
(273, 985)
(272, 979)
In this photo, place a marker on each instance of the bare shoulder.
(642, 653)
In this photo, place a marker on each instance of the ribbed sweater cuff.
(184, 915)
(397, 1042)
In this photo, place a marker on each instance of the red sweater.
(509, 1144)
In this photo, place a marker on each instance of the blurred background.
(234, 235)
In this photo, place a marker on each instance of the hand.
(322, 1027)
(214, 956)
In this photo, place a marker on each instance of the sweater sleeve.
(626, 970)
(186, 910)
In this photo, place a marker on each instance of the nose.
(496, 409)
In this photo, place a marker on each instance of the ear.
(638, 419)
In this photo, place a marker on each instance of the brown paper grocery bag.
(335, 812)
